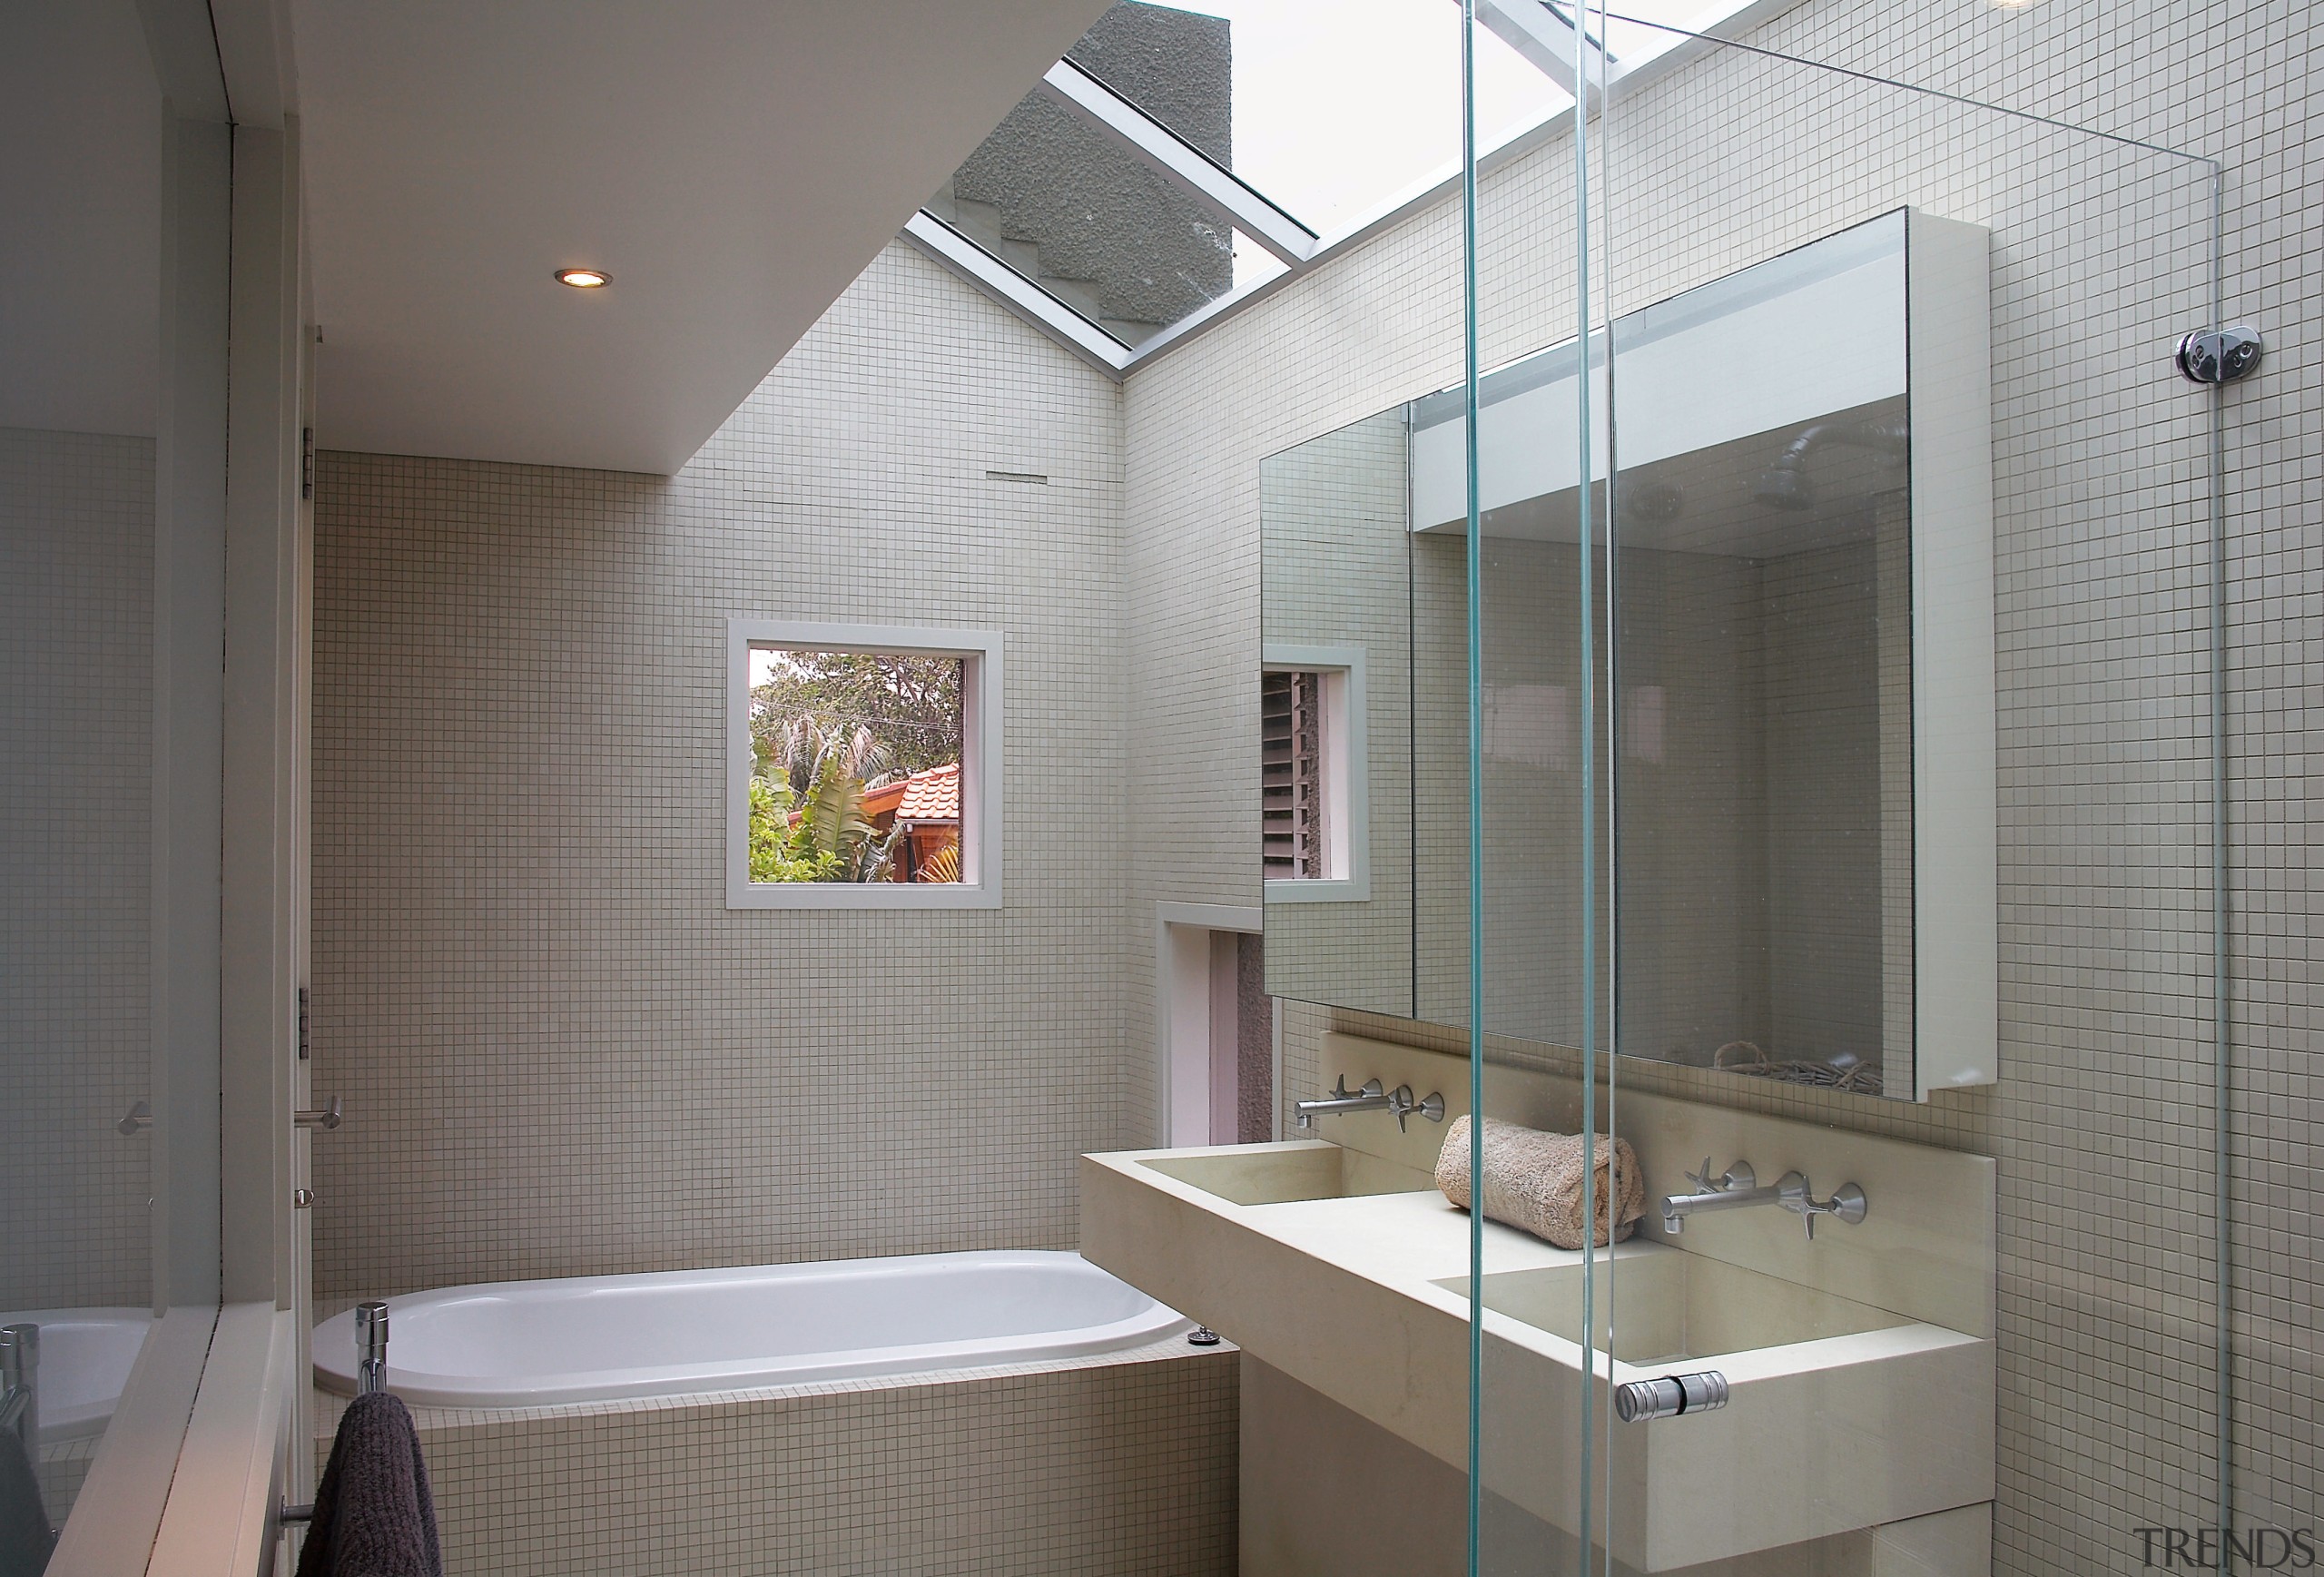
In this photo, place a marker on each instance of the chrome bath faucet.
(1738, 1188)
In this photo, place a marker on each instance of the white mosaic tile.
(76, 816)
(1120, 1464)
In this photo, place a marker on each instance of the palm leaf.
(833, 816)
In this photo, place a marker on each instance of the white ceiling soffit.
(733, 164)
(80, 231)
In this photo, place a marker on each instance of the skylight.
(1180, 157)
(1339, 111)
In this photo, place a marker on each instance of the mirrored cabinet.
(1786, 782)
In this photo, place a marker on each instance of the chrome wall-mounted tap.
(1739, 1186)
(1371, 1097)
(20, 1385)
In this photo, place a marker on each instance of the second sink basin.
(1667, 1304)
(1280, 1174)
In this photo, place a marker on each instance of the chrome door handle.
(327, 1117)
(140, 1116)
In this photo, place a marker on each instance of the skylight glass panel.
(1089, 220)
(1338, 110)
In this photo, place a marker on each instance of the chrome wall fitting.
(1371, 1097)
(139, 1118)
(1401, 1102)
(1846, 1204)
(1732, 1189)
(20, 1385)
(2220, 355)
(370, 1347)
(1670, 1396)
(327, 1118)
(1739, 1186)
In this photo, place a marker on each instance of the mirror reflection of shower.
(1787, 484)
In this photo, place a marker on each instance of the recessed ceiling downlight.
(585, 279)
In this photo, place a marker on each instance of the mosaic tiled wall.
(559, 1051)
(76, 668)
(1122, 1466)
(2104, 1120)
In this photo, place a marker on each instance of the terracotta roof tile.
(933, 795)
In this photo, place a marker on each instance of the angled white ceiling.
(733, 164)
(80, 229)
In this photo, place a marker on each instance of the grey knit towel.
(373, 1514)
(24, 1539)
(1534, 1180)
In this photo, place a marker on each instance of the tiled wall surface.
(2104, 1120)
(76, 606)
(1123, 1466)
(560, 1053)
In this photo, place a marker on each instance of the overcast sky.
(1339, 103)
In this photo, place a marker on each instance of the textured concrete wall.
(1092, 221)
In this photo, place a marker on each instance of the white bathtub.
(85, 1355)
(530, 1344)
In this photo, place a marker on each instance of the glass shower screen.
(1805, 769)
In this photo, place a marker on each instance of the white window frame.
(980, 655)
(1347, 790)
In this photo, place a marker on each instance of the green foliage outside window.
(826, 727)
(890, 714)
(779, 852)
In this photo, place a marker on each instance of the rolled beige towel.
(1534, 1180)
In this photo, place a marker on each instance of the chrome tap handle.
(1401, 1102)
(1734, 1180)
(1847, 1202)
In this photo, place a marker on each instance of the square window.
(863, 766)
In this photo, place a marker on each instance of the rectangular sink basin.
(1667, 1304)
(1346, 1272)
(1282, 1174)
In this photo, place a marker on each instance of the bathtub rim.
(62, 1425)
(1154, 1324)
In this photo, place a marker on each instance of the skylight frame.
(1543, 33)
(1226, 194)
